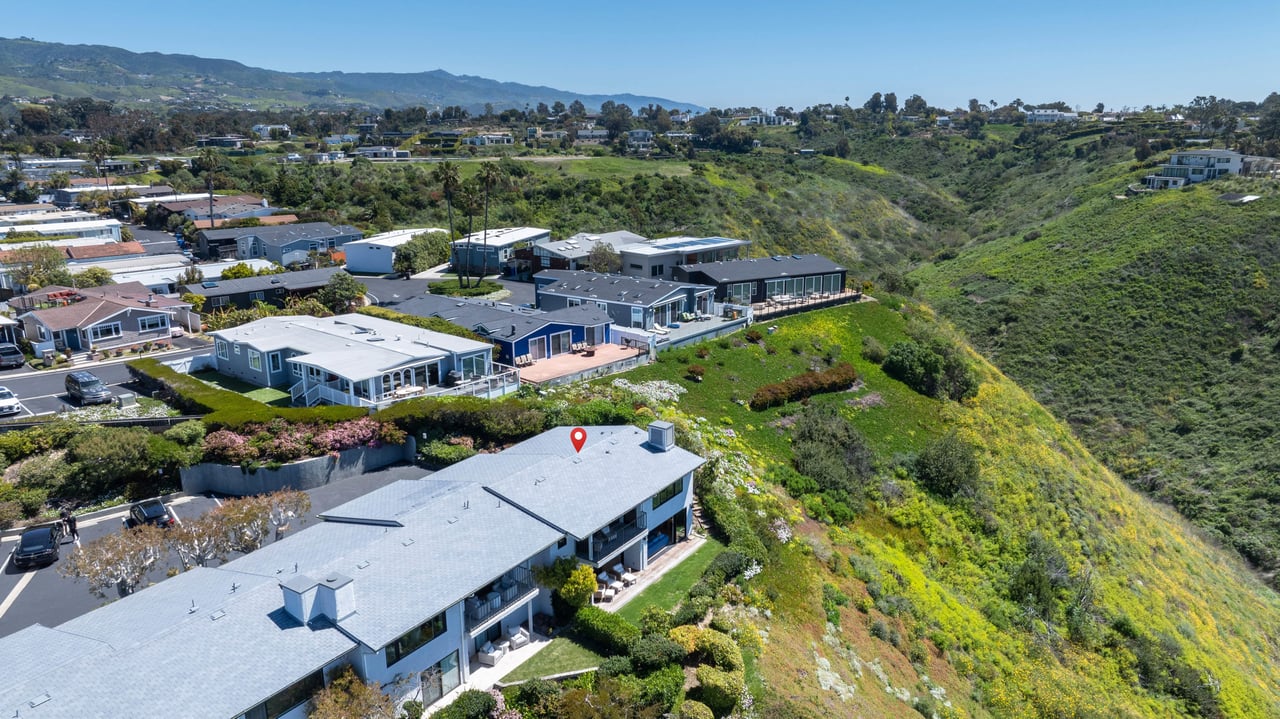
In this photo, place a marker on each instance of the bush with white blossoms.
(654, 392)
(781, 529)
(754, 569)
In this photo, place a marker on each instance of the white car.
(9, 403)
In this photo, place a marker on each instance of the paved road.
(44, 596)
(43, 392)
(389, 292)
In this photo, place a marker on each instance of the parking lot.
(46, 597)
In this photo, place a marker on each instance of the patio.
(783, 305)
(570, 366)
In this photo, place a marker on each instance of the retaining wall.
(304, 474)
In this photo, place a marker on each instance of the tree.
(238, 271)
(191, 275)
(705, 126)
(117, 561)
(577, 109)
(603, 258)
(99, 151)
(491, 174)
(446, 173)
(197, 541)
(38, 266)
(422, 252)
(875, 104)
(347, 697)
(94, 277)
(341, 292)
(891, 102)
(578, 588)
(832, 452)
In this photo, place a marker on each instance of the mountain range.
(30, 68)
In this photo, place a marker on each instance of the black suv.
(86, 388)
(38, 546)
(11, 356)
(149, 511)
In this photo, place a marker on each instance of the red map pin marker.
(578, 437)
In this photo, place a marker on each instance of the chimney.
(662, 436)
(307, 599)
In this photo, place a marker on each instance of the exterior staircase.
(699, 522)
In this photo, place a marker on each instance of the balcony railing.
(610, 539)
(505, 379)
(503, 594)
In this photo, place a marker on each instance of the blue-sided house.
(518, 331)
(629, 301)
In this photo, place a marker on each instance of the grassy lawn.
(673, 585)
(266, 395)
(561, 655)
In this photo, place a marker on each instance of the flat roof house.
(657, 258)
(97, 318)
(571, 253)
(630, 301)
(358, 360)
(423, 579)
(760, 279)
(282, 244)
(274, 290)
(518, 331)
(499, 246)
(377, 254)
(1192, 166)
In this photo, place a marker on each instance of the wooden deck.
(790, 306)
(576, 364)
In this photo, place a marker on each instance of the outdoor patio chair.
(519, 638)
(627, 577)
(489, 655)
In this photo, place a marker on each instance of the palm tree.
(490, 175)
(99, 151)
(446, 173)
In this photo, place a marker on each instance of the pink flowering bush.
(279, 441)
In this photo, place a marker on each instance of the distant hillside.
(1151, 325)
(31, 68)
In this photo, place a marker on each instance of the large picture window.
(152, 323)
(288, 698)
(473, 366)
(255, 360)
(222, 349)
(107, 331)
(668, 492)
(440, 679)
(415, 638)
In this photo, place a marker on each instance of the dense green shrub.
(730, 518)
(691, 709)
(663, 687)
(719, 649)
(655, 620)
(15, 446)
(538, 697)
(610, 631)
(502, 421)
(477, 289)
(948, 466)
(833, 379)
(719, 689)
(832, 600)
(470, 704)
(691, 611)
(937, 369)
(614, 666)
(831, 451)
(654, 651)
(578, 586)
(10, 513)
(872, 350)
(439, 453)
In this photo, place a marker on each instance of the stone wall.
(304, 474)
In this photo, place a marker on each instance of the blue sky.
(727, 54)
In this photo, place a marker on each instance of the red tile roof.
(111, 249)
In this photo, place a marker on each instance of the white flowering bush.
(652, 393)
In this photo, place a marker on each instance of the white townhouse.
(414, 585)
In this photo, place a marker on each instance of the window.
(411, 640)
(216, 302)
(473, 366)
(42, 332)
(255, 360)
(235, 348)
(603, 305)
(675, 488)
(561, 342)
(107, 331)
(297, 369)
(440, 679)
(573, 302)
(153, 323)
(637, 317)
(257, 297)
(636, 266)
(288, 698)
(273, 361)
(222, 349)
(657, 270)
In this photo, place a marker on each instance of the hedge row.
(224, 408)
(435, 324)
(610, 631)
(498, 421)
(801, 386)
(734, 523)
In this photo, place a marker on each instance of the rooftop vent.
(662, 436)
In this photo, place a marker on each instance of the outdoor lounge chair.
(661, 330)
(489, 655)
(519, 638)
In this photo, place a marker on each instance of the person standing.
(71, 527)
(62, 518)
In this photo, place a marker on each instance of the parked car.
(149, 511)
(38, 546)
(86, 388)
(11, 356)
(9, 403)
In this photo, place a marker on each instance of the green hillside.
(1150, 325)
(1137, 615)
